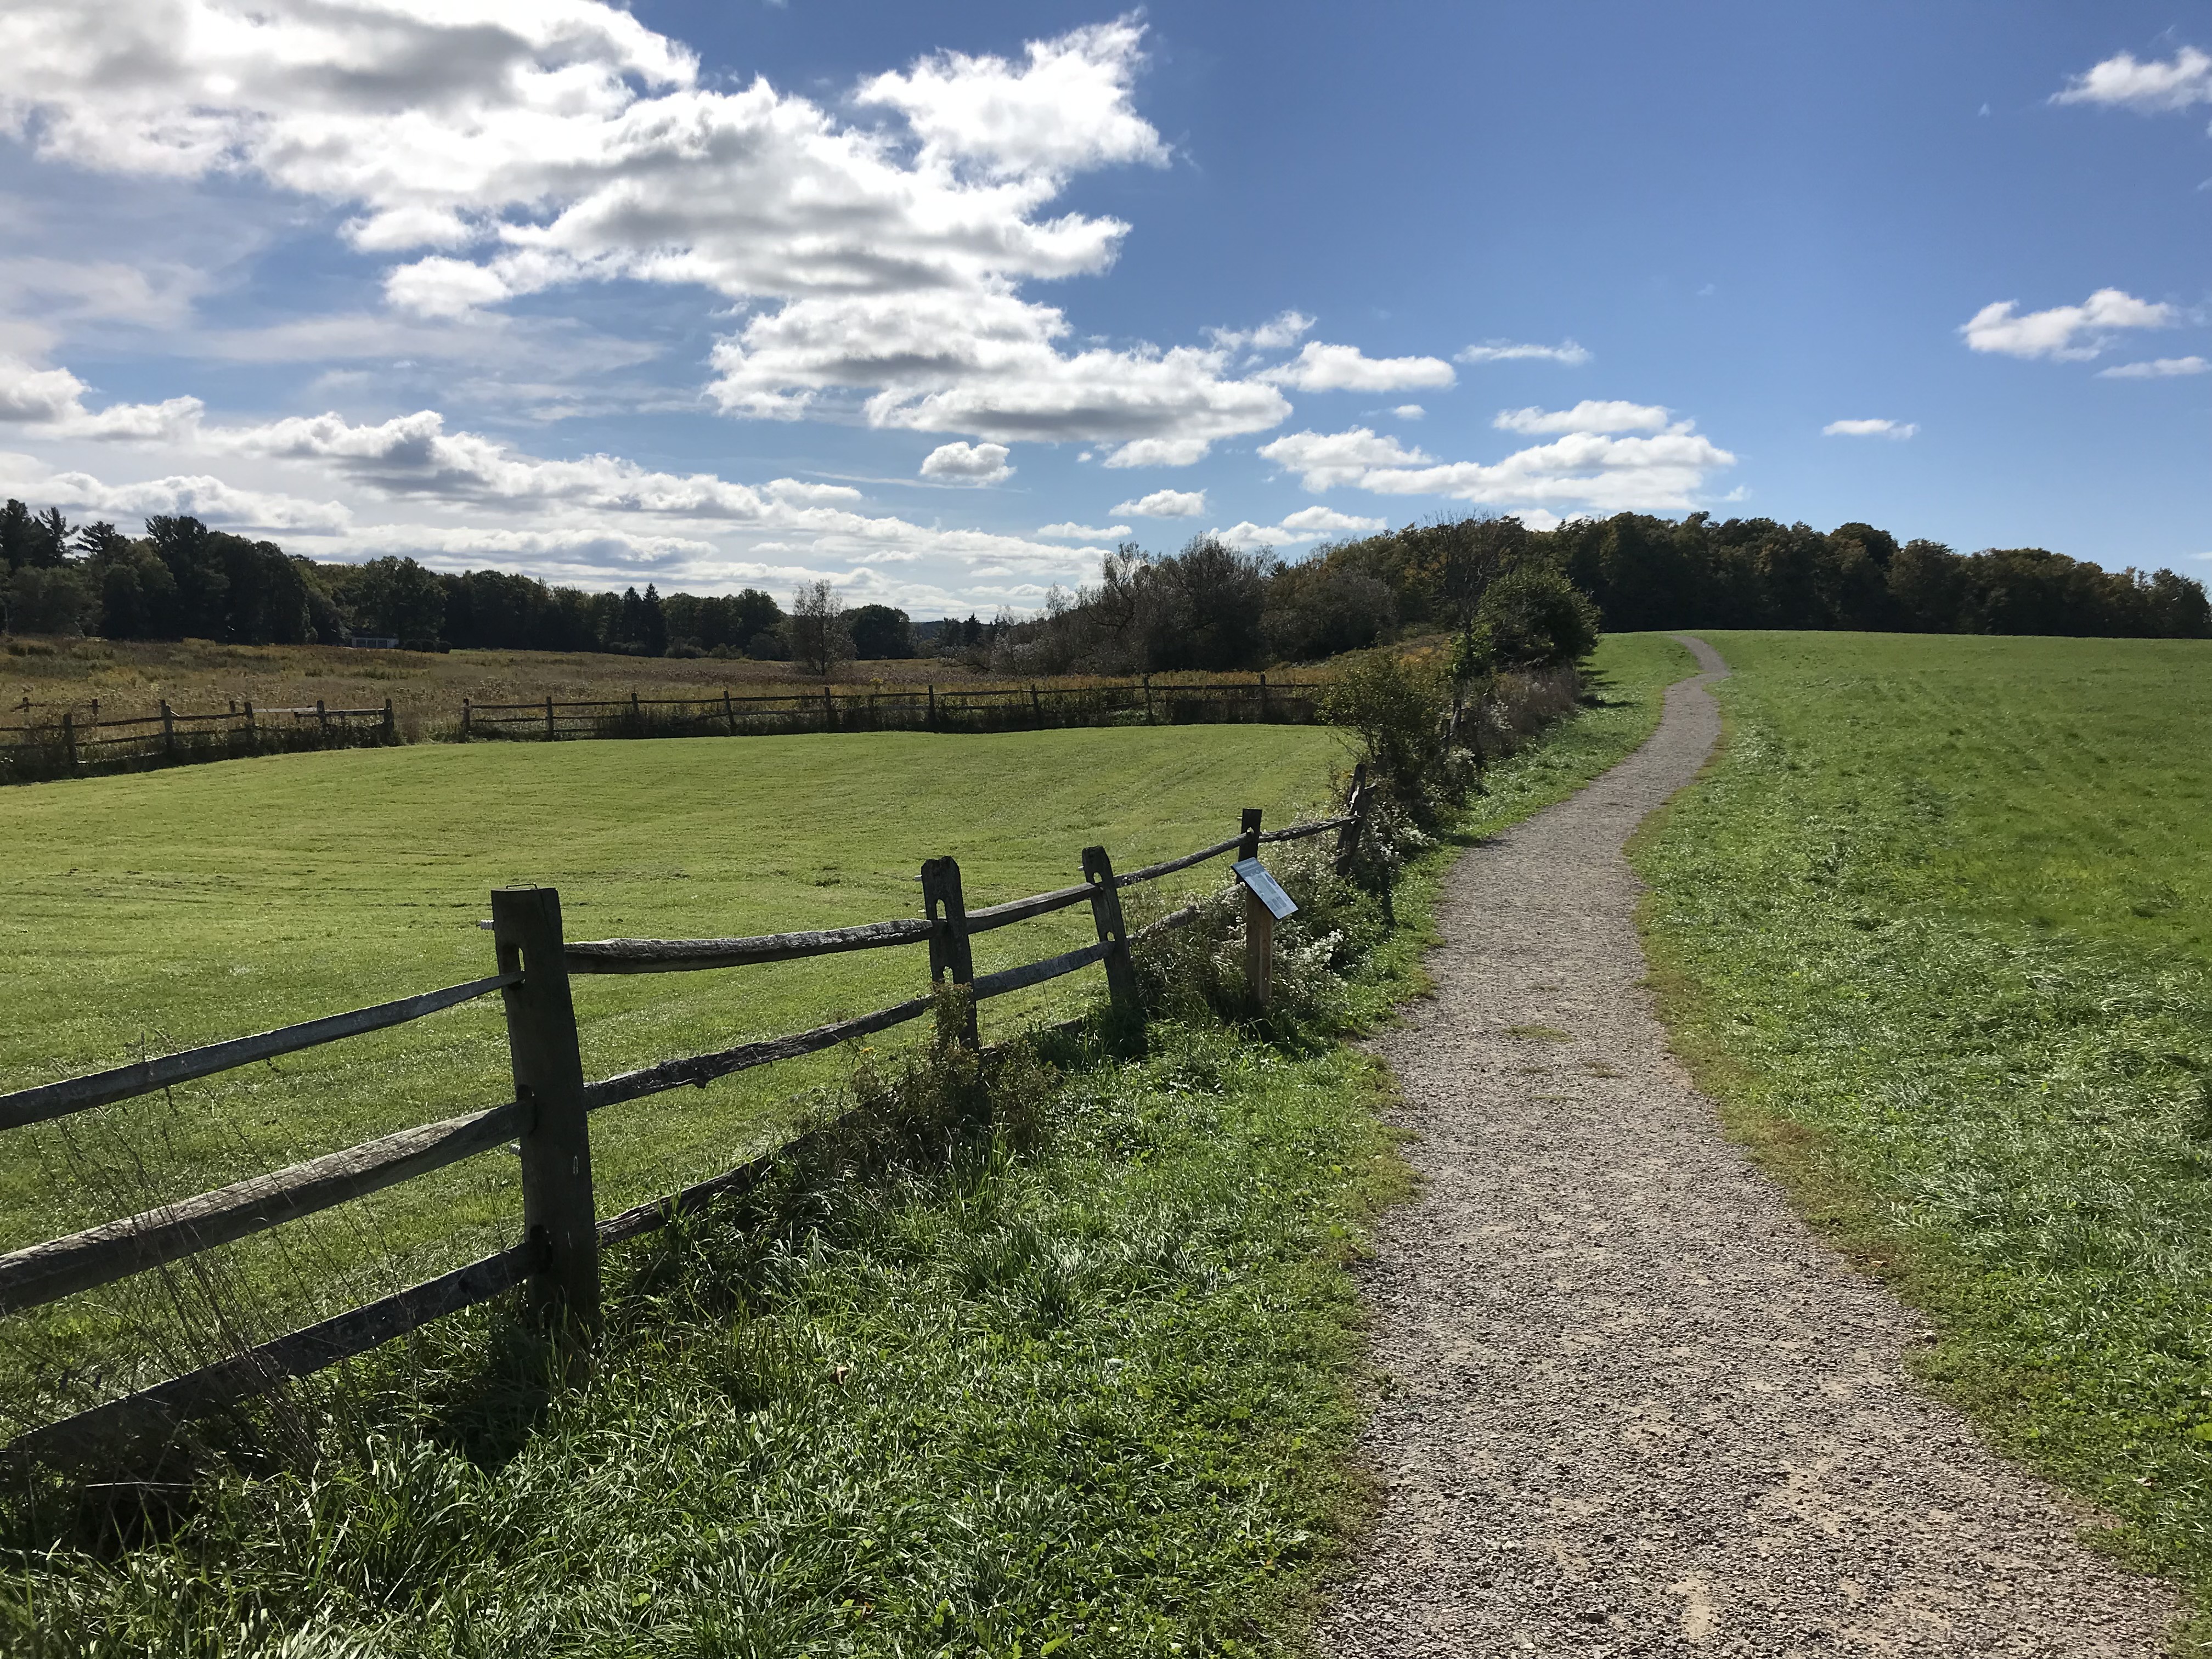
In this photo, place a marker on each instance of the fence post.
(1258, 919)
(729, 712)
(1036, 706)
(1264, 715)
(949, 956)
(253, 732)
(828, 710)
(1355, 807)
(1148, 699)
(557, 1206)
(636, 715)
(68, 736)
(933, 708)
(465, 718)
(390, 730)
(1106, 915)
(169, 730)
(322, 716)
(548, 719)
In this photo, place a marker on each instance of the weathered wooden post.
(828, 710)
(169, 730)
(1036, 706)
(548, 719)
(557, 1206)
(932, 706)
(1258, 919)
(464, 719)
(1264, 715)
(729, 712)
(950, 957)
(1148, 699)
(390, 730)
(1355, 809)
(253, 732)
(68, 736)
(322, 716)
(1106, 916)
(637, 716)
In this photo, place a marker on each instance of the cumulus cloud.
(2152, 88)
(965, 463)
(2158, 369)
(1587, 471)
(1319, 368)
(1869, 429)
(1591, 415)
(1321, 460)
(1160, 451)
(1409, 412)
(1307, 525)
(1071, 531)
(1500, 351)
(1166, 504)
(50, 402)
(2063, 331)
(1286, 329)
(209, 499)
(518, 148)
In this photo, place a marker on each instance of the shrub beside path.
(1634, 1406)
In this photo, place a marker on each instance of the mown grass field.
(1085, 1389)
(143, 914)
(129, 678)
(1935, 931)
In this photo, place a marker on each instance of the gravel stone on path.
(1634, 1406)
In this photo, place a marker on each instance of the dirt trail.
(1635, 1407)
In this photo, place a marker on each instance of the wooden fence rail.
(557, 1260)
(64, 745)
(926, 708)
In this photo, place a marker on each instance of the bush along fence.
(921, 708)
(555, 1264)
(50, 742)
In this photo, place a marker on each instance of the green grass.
(1934, 932)
(1083, 1386)
(143, 914)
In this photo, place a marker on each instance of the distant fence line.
(64, 745)
(58, 741)
(911, 709)
(556, 1260)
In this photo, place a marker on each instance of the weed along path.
(1634, 1404)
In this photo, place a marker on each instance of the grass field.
(131, 677)
(143, 914)
(1091, 1395)
(1935, 933)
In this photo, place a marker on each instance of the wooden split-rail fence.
(929, 707)
(48, 743)
(556, 1261)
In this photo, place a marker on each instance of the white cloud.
(202, 497)
(1869, 429)
(1584, 471)
(1167, 504)
(1319, 368)
(1159, 451)
(965, 463)
(1499, 351)
(51, 403)
(1307, 525)
(1072, 531)
(524, 148)
(1409, 412)
(1066, 109)
(2152, 88)
(2158, 369)
(1284, 330)
(1591, 415)
(2063, 331)
(1325, 459)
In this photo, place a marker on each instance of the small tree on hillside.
(1535, 618)
(821, 638)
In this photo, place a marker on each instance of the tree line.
(1499, 586)
(182, 580)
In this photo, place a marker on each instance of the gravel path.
(1634, 1406)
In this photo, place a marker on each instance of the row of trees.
(181, 579)
(1210, 607)
(1205, 607)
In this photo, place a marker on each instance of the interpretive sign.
(1265, 888)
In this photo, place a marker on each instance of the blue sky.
(939, 301)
